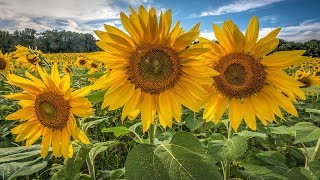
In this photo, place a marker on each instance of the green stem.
(152, 131)
(230, 131)
(5, 78)
(227, 164)
(137, 135)
(90, 166)
(316, 152)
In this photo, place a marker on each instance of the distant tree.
(48, 41)
(312, 47)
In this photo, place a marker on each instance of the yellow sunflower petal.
(146, 112)
(252, 33)
(235, 113)
(130, 105)
(249, 114)
(20, 113)
(165, 108)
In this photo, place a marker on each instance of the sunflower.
(67, 69)
(26, 57)
(48, 109)
(151, 70)
(251, 83)
(309, 79)
(82, 62)
(94, 65)
(4, 62)
(292, 66)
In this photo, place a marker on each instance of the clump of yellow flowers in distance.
(307, 73)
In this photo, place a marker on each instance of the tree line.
(50, 41)
(53, 41)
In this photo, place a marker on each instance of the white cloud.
(305, 31)
(207, 34)
(272, 19)
(236, 6)
(302, 32)
(74, 15)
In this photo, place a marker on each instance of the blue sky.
(300, 19)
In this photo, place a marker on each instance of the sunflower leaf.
(117, 131)
(306, 132)
(312, 110)
(315, 168)
(14, 169)
(20, 161)
(224, 150)
(96, 97)
(183, 158)
(193, 123)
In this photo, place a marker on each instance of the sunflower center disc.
(240, 75)
(305, 81)
(154, 68)
(235, 74)
(2, 64)
(47, 110)
(94, 65)
(82, 62)
(52, 110)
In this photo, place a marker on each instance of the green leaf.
(251, 134)
(87, 125)
(298, 173)
(94, 75)
(283, 130)
(96, 97)
(71, 169)
(314, 167)
(193, 123)
(100, 147)
(216, 136)
(265, 165)
(14, 169)
(20, 161)
(112, 175)
(306, 132)
(118, 131)
(224, 150)
(312, 89)
(312, 110)
(183, 158)
(18, 153)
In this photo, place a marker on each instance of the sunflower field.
(160, 102)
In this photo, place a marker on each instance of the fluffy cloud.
(302, 32)
(73, 15)
(236, 6)
(207, 34)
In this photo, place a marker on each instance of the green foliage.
(227, 150)
(48, 41)
(306, 132)
(183, 158)
(20, 161)
(272, 165)
(118, 131)
(193, 123)
(71, 167)
(96, 97)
